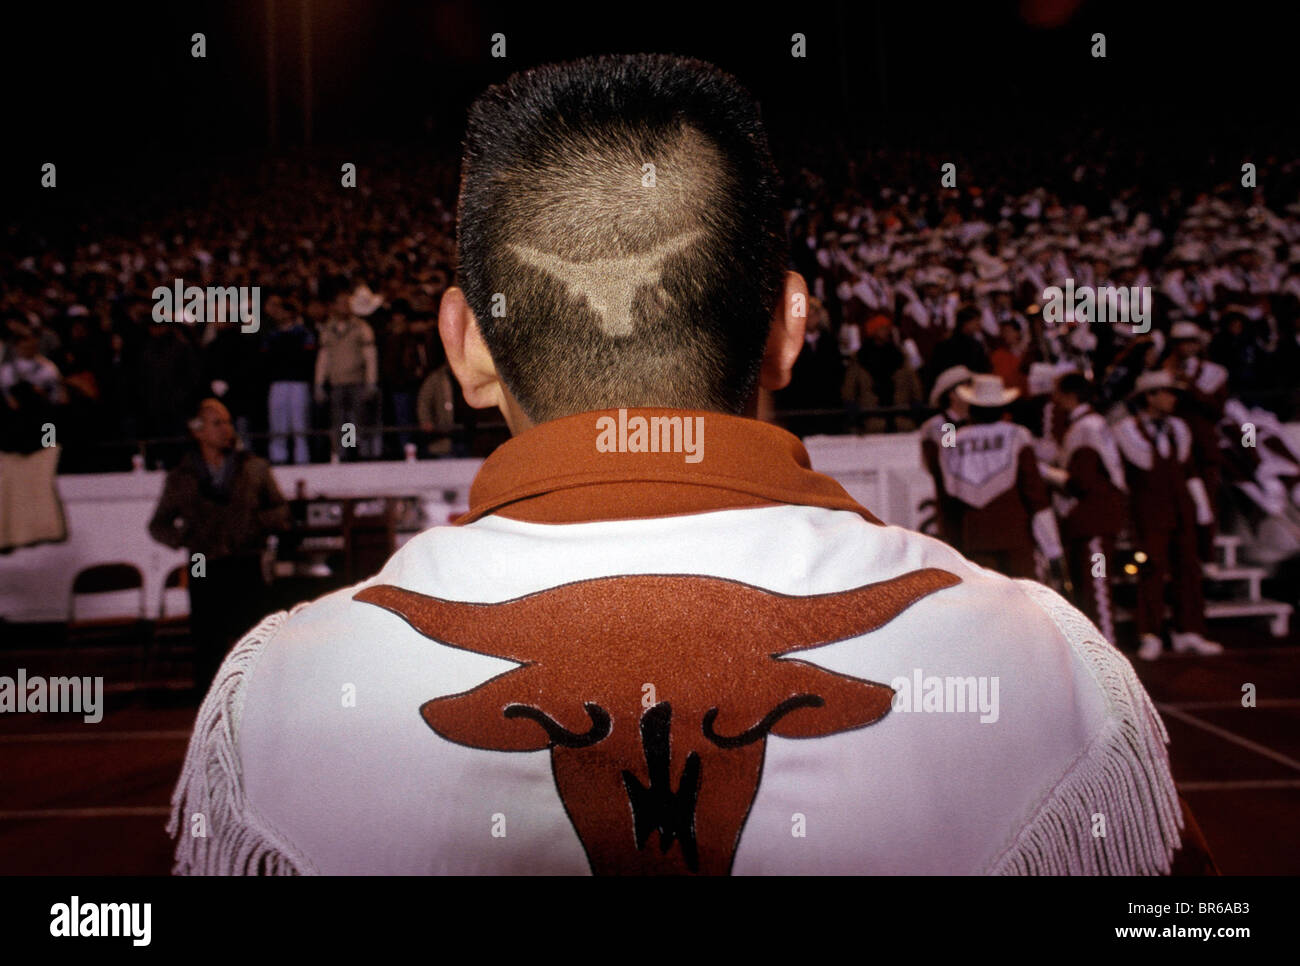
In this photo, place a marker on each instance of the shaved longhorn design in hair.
(688, 766)
(609, 284)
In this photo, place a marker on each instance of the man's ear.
(467, 353)
(785, 338)
(472, 364)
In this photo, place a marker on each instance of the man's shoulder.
(252, 463)
(336, 629)
(186, 468)
(1132, 443)
(1021, 619)
(1090, 430)
(1075, 714)
(933, 427)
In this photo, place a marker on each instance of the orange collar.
(623, 464)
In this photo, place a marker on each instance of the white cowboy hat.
(947, 379)
(364, 301)
(986, 391)
(1154, 379)
(1188, 331)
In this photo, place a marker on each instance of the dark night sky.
(106, 83)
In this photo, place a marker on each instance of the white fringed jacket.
(627, 660)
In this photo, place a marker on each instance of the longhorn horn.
(789, 624)
(482, 628)
(760, 730)
(560, 735)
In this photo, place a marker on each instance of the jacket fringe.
(1123, 775)
(236, 841)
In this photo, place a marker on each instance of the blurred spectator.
(232, 372)
(436, 405)
(403, 366)
(30, 509)
(290, 364)
(1236, 347)
(886, 378)
(348, 363)
(221, 502)
(1008, 357)
(964, 347)
(817, 377)
(31, 387)
(169, 369)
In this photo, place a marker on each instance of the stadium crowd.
(349, 283)
(909, 281)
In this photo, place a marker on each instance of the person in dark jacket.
(220, 503)
(964, 347)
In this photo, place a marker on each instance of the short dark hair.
(1078, 385)
(598, 281)
(331, 287)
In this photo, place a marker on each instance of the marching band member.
(1168, 502)
(1200, 406)
(1092, 501)
(953, 412)
(992, 472)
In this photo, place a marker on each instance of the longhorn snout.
(560, 735)
(760, 730)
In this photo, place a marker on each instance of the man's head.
(969, 321)
(26, 344)
(1187, 348)
(336, 294)
(1073, 389)
(620, 243)
(212, 427)
(880, 329)
(1162, 402)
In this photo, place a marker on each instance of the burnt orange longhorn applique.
(655, 695)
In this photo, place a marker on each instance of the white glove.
(913, 355)
(1204, 512)
(1046, 534)
(219, 387)
(1054, 474)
